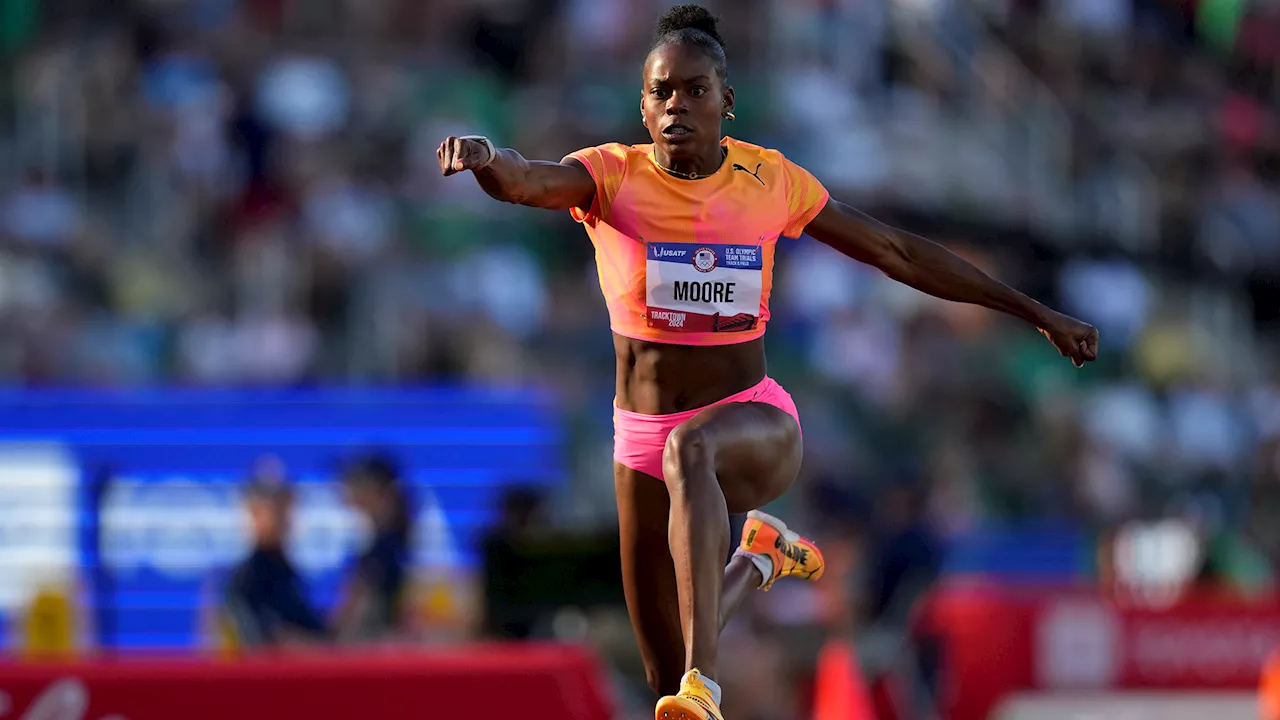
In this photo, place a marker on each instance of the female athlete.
(684, 231)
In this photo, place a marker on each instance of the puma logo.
(753, 173)
(794, 553)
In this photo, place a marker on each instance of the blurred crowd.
(245, 192)
(235, 192)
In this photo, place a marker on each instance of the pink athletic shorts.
(638, 440)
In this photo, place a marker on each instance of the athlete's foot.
(693, 702)
(790, 555)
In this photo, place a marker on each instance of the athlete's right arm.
(511, 178)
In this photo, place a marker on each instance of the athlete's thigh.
(649, 575)
(757, 450)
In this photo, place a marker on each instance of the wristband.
(493, 152)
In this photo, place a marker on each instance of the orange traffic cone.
(841, 691)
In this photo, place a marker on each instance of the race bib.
(703, 288)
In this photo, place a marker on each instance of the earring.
(729, 116)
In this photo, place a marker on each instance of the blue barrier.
(1021, 553)
(156, 474)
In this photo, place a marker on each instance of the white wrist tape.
(493, 152)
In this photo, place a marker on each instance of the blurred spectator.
(265, 600)
(906, 559)
(519, 517)
(373, 606)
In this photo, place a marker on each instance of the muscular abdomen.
(657, 378)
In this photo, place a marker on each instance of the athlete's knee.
(687, 450)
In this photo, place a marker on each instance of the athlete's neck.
(699, 163)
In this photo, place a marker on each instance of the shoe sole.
(675, 711)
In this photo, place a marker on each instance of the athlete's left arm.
(931, 268)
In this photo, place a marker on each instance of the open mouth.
(676, 131)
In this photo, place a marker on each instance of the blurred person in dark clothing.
(906, 560)
(907, 556)
(533, 570)
(266, 602)
(373, 606)
(518, 516)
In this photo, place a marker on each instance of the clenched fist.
(1077, 341)
(463, 153)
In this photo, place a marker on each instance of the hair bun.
(688, 17)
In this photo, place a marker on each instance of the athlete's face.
(684, 100)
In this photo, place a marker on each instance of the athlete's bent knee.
(687, 451)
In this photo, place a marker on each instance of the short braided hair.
(692, 25)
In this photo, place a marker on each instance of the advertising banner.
(1001, 640)
(136, 495)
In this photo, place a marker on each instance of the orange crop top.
(690, 262)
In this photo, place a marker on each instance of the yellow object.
(50, 624)
(227, 639)
(693, 702)
(440, 606)
(1168, 352)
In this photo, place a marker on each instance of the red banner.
(1003, 640)
(531, 683)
